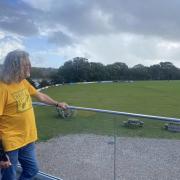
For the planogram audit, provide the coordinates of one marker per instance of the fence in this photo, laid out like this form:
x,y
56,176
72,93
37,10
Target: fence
x,y
114,141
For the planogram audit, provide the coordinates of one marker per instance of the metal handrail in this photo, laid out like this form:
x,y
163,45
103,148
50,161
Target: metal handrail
x,y
161,118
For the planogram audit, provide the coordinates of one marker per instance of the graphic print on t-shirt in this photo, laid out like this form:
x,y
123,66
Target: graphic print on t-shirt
x,y
23,100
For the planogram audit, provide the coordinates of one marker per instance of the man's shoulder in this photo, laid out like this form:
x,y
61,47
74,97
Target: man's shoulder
x,y
24,81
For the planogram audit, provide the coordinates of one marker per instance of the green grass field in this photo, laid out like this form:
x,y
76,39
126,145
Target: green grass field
x,y
161,98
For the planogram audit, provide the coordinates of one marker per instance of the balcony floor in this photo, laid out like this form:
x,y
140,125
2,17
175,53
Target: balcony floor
x,y
91,157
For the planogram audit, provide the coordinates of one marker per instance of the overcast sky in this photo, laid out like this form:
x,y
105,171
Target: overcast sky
x,y
54,31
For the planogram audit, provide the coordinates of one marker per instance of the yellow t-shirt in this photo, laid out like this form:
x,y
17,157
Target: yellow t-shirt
x,y
17,121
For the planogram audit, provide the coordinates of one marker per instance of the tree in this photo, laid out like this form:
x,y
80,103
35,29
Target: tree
x,y
117,71
155,72
81,69
139,72
167,70
97,72
76,70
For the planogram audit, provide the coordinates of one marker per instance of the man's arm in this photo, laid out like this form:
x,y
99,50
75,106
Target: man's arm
x,y
48,100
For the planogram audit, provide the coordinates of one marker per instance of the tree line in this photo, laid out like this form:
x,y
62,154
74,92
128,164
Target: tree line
x,y
81,70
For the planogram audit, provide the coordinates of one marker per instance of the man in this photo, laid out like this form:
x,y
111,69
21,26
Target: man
x,y
17,122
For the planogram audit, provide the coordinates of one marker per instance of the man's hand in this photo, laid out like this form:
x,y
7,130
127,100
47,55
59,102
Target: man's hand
x,y
5,163
4,158
62,105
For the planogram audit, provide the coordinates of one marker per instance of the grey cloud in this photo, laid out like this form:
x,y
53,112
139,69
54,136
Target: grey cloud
x,y
17,18
61,39
154,18
77,17
20,26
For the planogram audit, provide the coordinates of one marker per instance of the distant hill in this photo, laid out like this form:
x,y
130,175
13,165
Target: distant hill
x,y
41,73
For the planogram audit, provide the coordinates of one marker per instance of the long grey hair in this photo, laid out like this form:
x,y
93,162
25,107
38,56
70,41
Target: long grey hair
x,y
12,70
